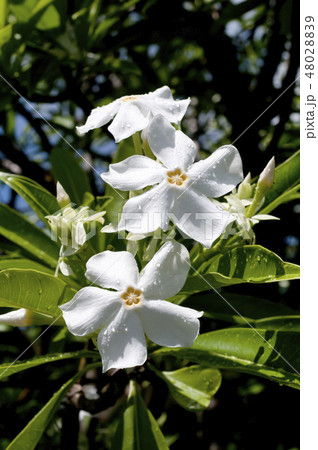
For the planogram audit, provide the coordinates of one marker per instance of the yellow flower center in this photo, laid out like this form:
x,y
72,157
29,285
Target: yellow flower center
x,y
129,98
176,177
132,296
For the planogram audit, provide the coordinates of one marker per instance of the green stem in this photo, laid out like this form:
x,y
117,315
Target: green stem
x,y
137,143
258,197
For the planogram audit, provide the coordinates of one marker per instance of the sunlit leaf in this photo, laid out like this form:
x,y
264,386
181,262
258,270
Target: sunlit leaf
x,y
40,200
269,353
20,288
192,387
246,264
20,231
8,369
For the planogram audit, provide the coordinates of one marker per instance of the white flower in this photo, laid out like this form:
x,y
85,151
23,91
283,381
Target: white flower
x,y
135,306
183,188
237,207
133,113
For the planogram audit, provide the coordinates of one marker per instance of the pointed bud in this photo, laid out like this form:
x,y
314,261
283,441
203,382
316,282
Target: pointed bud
x,y
265,182
244,190
25,318
61,196
266,178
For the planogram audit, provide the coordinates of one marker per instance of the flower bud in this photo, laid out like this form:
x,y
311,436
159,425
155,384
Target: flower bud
x,y
61,196
72,225
25,318
244,190
266,178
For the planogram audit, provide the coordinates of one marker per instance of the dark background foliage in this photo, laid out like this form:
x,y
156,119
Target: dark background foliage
x,y
235,59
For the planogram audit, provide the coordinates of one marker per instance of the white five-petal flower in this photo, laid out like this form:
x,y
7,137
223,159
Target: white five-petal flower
x,y
183,189
133,113
135,306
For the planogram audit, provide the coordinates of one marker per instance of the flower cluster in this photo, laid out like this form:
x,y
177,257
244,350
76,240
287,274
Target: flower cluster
x,y
166,186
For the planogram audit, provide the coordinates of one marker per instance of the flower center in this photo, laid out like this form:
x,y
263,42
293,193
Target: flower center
x,y
132,296
176,177
129,98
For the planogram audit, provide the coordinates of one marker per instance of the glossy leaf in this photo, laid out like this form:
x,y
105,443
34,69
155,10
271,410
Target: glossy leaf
x,y
33,290
137,429
39,199
254,351
194,386
9,369
247,264
236,308
67,170
279,323
287,196
20,231
21,263
31,434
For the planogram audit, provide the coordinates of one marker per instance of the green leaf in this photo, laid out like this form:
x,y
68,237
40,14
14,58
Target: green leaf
x,y
34,290
15,263
268,353
287,176
279,323
24,263
235,306
20,231
192,387
246,264
9,369
285,197
43,14
67,170
31,434
40,200
3,13
137,429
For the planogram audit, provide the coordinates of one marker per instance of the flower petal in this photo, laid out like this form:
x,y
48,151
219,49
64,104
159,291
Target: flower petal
x,y
265,217
198,217
219,173
164,93
99,117
78,234
168,324
172,147
65,269
162,102
115,270
122,343
166,273
134,173
149,211
128,120
90,309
